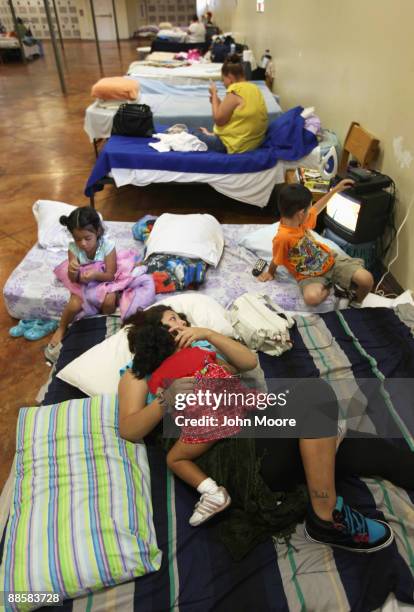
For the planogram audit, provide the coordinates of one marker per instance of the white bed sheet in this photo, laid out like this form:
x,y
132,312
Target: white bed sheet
x,y
183,75
252,188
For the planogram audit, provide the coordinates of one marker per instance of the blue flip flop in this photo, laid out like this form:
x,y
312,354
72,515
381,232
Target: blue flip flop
x,y
41,329
23,326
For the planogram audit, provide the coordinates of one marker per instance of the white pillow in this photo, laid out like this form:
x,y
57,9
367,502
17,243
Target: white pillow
x,y
260,241
96,371
51,234
202,311
198,236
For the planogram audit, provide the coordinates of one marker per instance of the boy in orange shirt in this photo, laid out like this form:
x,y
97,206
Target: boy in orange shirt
x,y
315,267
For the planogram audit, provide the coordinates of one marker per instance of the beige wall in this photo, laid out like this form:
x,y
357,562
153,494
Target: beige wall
x,y
353,61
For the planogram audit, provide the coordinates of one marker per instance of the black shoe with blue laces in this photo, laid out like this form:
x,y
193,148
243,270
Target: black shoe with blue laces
x,y
349,529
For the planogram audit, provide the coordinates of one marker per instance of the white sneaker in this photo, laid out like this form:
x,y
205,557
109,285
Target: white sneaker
x,y
209,505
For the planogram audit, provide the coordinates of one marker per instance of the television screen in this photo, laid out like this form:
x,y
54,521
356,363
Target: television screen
x,y
344,211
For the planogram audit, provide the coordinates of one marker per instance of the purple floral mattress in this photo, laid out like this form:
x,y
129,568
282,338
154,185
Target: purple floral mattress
x,y
33,291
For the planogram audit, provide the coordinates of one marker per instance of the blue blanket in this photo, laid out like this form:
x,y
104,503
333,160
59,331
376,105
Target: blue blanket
x,y
190,104
287,140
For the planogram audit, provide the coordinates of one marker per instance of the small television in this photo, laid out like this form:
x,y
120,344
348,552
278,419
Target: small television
x,y
358,217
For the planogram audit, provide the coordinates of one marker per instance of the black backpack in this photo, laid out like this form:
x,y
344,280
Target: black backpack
x,y
221,48
133,120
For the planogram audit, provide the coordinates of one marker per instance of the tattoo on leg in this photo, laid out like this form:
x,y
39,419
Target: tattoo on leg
x,y
320,494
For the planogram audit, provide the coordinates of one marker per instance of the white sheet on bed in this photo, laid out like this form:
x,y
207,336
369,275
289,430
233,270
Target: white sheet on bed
x,y
251,188
183,75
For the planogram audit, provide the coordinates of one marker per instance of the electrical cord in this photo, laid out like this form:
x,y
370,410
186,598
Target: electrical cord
x,y
394,259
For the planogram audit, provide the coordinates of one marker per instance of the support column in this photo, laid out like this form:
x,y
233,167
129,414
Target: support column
x,y
58,26
115,22
95,29
55,47
16,29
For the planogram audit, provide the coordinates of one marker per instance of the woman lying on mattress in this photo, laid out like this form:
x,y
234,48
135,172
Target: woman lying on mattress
x,y
240,119
262,473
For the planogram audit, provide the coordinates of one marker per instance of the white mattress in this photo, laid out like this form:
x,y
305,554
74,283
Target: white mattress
x,y
252,188
32,290
183,75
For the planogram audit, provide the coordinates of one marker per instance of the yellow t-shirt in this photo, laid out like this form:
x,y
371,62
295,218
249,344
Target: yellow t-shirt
x,y
248,124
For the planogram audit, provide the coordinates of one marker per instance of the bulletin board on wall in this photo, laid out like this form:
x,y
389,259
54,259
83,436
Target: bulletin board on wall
x,y
34,17
177,12
260,6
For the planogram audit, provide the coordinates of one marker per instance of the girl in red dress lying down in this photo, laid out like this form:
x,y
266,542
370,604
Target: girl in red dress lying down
x,y
205,418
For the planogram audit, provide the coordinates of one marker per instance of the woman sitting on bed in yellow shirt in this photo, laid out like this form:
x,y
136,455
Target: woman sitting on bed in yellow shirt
x,y
240,119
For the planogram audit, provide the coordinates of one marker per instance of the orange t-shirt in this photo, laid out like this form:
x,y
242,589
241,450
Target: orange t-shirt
x,y
297,250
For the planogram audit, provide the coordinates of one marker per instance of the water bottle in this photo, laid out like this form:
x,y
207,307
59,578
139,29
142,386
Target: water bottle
x,y
266,57
232,48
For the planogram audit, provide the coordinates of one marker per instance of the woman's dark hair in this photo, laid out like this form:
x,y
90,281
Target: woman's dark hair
x,y
84,217
233,65
151,345
194,18
152,316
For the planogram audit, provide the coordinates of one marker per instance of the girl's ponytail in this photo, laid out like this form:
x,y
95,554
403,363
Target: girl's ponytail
x,y
84,217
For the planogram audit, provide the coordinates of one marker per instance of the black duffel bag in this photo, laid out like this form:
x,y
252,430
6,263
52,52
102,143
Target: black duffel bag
x,y
133,120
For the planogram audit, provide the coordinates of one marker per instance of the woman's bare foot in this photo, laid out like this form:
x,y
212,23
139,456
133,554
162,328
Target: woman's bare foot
x,y
57,337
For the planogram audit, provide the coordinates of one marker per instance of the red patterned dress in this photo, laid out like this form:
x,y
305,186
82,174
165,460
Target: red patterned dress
x,y
210,377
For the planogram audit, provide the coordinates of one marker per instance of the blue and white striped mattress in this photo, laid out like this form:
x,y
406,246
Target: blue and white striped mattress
x,y
197,573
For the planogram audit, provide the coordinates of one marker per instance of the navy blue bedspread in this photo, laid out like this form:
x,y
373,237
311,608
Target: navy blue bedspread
x,y
197,573
287,139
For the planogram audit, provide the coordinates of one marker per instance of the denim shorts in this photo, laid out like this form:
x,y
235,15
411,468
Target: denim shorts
x,y
213,142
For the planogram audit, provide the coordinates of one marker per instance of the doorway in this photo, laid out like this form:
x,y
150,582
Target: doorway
x,y
104,19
